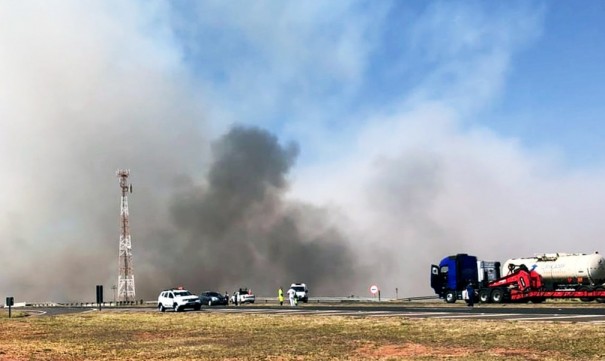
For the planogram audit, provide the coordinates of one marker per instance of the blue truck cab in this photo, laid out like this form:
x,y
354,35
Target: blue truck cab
x,y
454,273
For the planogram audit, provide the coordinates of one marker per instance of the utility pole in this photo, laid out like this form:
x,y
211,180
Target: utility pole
x,y
114,288
126,290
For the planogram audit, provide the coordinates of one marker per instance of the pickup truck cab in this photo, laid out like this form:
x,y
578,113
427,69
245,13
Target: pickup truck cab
x,y
243,295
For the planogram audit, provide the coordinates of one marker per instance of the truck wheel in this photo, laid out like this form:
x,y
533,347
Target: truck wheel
x,y
599,299
450,297
176,308
538,300
161,307
210,303
585,299
497,296
484,296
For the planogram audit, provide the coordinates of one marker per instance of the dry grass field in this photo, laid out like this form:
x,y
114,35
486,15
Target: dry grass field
x,y
113,335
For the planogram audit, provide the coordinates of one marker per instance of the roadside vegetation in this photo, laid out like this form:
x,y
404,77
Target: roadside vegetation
x,y
136,335
14,314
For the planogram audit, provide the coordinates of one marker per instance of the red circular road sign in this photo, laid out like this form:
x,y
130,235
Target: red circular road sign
x,y
374,289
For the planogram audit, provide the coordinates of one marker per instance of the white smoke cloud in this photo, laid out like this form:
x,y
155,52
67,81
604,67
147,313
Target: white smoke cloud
x,y
421,186
427,180
86,89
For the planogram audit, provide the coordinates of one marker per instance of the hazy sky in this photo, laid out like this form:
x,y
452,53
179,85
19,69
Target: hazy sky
x,y
390,133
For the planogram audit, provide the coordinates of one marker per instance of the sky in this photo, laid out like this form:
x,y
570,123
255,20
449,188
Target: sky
x,y
338,143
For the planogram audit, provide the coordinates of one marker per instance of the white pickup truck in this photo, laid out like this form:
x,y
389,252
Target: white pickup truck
x,y
243,295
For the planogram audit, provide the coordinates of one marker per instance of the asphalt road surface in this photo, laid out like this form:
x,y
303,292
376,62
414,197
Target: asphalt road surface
x,y
594,315
525,314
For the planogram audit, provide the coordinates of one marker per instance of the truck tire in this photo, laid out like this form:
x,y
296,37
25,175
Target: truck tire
x,y
161,307
485,296
538,300
176,308
599,299
497,295
586,299
450,297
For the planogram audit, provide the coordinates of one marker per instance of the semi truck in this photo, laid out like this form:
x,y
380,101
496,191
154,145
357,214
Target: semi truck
x,y
535,279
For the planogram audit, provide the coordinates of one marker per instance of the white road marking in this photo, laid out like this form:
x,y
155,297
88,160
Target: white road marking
x,y
477,315
553,317
439,315
425,313
36,313
598,322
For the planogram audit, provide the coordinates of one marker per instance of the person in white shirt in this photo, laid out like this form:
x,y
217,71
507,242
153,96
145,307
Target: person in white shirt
x,y
291,295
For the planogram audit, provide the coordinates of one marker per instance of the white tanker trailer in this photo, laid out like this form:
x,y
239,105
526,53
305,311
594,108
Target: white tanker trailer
x,y
564,270
533,279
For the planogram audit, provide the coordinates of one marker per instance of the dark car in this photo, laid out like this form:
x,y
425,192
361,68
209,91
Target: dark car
x,y
212,298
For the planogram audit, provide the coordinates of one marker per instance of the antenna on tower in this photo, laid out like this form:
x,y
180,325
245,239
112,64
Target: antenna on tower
x,y
126,276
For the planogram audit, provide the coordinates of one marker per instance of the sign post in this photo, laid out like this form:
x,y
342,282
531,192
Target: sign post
x,y
10,301
99,296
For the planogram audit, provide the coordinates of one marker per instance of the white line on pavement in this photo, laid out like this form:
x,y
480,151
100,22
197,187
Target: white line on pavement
x,y
552,317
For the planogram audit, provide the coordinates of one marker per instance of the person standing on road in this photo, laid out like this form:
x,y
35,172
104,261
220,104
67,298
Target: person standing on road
x,y
470,292
291,295
280,296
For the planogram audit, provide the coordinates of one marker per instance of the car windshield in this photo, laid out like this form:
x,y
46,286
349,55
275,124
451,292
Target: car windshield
x,y
298,289
182,293
213,294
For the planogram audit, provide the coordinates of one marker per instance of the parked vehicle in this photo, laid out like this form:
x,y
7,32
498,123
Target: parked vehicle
x,y
301,291
564,270
536,279
212,298
243,295
178,300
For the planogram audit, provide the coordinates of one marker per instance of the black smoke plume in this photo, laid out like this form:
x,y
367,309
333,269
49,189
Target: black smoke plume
x,y
236,228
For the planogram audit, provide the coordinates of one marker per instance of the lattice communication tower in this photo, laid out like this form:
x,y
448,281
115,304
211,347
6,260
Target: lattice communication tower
x,y
126,277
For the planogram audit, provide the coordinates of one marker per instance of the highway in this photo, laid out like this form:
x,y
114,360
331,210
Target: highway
x,y
595,315
524,314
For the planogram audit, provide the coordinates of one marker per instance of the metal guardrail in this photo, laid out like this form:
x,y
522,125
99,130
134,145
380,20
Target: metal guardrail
x,y
419,298
259,300
350,299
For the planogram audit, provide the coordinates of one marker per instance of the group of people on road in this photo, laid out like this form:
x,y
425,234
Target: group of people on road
x,y
291,297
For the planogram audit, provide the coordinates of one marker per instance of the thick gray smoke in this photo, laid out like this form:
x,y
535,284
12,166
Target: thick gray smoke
x,y
89,89
236,229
